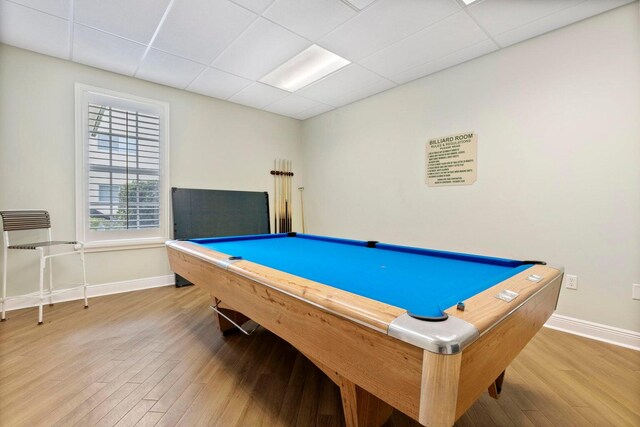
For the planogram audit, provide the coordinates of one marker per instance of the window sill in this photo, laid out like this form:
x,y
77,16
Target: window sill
x,y
123,245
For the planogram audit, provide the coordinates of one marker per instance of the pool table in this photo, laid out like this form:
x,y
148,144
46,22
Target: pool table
x,y
423,331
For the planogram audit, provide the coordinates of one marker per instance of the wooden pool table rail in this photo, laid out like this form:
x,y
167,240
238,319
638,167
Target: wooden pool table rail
x,y
434,389
374,314
484,310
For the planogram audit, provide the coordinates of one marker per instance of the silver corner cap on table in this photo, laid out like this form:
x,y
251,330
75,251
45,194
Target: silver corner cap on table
x,y
449,336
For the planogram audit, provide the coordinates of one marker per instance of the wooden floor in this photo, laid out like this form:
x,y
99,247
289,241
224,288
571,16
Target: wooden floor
x,y
154,358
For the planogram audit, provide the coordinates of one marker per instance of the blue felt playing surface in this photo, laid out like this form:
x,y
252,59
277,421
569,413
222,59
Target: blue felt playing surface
x,y
424,282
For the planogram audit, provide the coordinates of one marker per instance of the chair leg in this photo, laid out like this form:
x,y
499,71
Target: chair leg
x,y
84,277
42,265
50,278
4,284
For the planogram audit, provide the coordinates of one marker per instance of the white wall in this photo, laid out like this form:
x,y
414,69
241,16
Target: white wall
x,y
213,143
558,119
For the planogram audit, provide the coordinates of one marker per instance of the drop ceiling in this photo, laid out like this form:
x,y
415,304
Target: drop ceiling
x,y
221,48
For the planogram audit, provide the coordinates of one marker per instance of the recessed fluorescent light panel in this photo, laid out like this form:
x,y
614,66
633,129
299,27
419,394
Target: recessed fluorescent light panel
x,y
468,2
305,68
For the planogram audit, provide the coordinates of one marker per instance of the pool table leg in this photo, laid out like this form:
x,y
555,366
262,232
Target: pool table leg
x,y
496,387
226,327
361,408
439,389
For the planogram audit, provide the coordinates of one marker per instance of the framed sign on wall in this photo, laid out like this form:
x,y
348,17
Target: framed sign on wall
x,y
452,160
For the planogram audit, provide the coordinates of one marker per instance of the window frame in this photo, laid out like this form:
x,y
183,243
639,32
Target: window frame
x,y
122,239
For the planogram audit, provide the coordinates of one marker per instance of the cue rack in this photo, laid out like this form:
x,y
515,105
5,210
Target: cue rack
x,y
282,200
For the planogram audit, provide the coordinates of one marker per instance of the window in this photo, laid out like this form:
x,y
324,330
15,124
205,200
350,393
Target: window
x,y
114,143
122,185
109,193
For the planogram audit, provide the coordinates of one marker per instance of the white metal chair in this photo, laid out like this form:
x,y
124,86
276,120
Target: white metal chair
x,y
17,220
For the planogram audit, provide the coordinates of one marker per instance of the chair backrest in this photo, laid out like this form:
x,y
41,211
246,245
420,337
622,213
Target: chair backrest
x,y
25,220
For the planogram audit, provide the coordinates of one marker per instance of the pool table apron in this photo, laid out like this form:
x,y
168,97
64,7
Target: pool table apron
x,y
345,335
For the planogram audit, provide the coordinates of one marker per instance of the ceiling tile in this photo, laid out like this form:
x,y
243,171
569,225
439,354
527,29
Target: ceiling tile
x,y
167,69
346,80
258,95
259,50
291,105
218,84
309,18
313,111
429,44
360,4
389,41
355,95
134,20
557,20
37,31
61,8
384,23
201,29
447,61
106,51
258,6
498,16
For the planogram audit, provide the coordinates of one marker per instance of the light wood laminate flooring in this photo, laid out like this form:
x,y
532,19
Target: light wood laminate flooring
x,y
155,358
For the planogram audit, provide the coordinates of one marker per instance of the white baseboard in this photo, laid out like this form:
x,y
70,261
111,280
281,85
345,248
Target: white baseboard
x,y
31,300
595,331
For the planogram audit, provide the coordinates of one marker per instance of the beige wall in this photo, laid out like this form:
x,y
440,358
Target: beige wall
x,y
213,144
558,120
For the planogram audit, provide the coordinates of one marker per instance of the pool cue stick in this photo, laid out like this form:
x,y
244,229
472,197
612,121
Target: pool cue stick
x,y
283,168
301,189
290,195
286,220
273,201
282,196
279,196
284,193
290,201
288,198
275,195
286,202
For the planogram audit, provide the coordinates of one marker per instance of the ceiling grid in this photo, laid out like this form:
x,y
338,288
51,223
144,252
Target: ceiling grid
x,y
221,48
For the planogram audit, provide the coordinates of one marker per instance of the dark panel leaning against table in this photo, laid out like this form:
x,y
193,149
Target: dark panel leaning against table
x,y
205,212
422,331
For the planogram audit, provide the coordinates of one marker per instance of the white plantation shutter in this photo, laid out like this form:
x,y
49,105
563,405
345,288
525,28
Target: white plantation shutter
x,y
124,169
122,141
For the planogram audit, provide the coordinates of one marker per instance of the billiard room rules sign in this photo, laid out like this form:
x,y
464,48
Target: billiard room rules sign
x,y
452,160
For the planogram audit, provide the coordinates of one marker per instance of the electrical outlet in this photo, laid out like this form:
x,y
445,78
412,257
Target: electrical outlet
x,y
635,291
571,281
